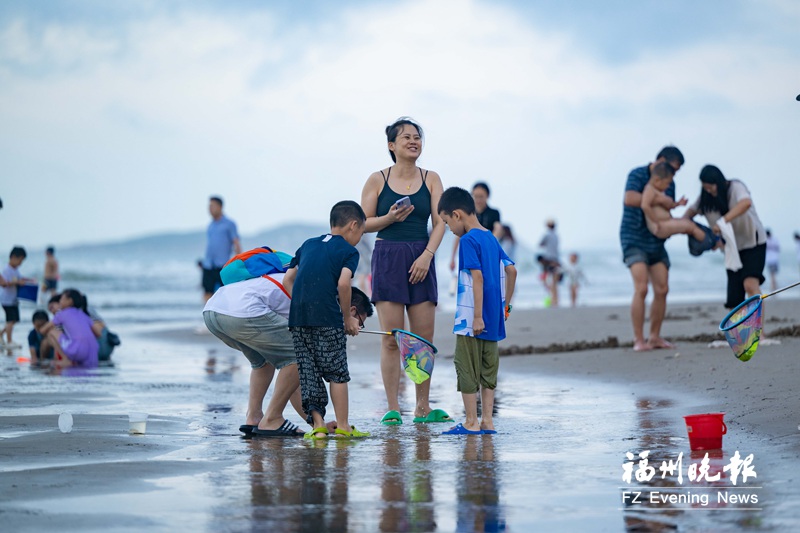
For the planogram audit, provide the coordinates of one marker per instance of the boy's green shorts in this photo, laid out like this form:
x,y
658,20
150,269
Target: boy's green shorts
x,y
476,361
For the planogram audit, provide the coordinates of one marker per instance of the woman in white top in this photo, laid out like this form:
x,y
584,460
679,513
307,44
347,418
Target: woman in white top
x,y
730,200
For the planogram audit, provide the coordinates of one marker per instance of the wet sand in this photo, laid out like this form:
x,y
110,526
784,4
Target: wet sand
x,y
566,417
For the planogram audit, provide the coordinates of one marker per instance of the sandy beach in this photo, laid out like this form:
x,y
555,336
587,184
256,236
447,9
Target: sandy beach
x,y
575,396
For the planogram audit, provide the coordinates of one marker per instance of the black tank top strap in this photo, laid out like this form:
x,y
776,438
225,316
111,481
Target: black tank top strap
x,y
413,228
386,176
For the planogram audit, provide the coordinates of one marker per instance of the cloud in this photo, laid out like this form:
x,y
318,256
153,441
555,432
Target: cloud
x,y
141,120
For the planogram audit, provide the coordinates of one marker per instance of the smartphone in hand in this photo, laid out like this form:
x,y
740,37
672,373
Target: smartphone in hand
x,y
405,201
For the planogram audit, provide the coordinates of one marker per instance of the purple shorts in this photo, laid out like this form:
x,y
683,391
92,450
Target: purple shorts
x,y
391,261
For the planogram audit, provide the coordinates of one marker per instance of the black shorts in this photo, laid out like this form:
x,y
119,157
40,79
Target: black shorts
x,y
753,260
50,284
211,280
12,313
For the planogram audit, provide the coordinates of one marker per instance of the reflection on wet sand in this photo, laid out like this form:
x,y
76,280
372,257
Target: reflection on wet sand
x,y
406,486
313,486
221,372
478,489
654,436
305,491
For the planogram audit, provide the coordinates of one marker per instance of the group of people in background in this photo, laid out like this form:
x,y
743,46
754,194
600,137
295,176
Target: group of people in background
x,y
733,225
75,337
554,272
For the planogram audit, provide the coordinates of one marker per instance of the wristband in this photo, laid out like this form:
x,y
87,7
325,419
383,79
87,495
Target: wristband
x,y
433,254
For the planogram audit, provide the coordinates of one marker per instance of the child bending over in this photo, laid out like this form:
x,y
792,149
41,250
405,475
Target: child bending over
x,y
486,278
322,312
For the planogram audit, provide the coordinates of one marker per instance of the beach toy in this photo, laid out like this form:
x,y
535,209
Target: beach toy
x,y
65,422
29,291
742,326
253,264
705,431
417,353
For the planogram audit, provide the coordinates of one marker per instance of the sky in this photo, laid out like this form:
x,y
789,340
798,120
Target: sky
x,y
119,119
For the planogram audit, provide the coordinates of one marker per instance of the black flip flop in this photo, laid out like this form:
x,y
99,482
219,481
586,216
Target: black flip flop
x,y
287,429
247,429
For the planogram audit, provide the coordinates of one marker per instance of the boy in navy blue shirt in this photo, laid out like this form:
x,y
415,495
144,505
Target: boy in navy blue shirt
x,y
486,278
321,313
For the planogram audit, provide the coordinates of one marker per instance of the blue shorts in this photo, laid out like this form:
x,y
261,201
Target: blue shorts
x,y
262,339
633,255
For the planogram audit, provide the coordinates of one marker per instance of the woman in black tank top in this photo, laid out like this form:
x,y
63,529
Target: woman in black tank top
x,y
403,265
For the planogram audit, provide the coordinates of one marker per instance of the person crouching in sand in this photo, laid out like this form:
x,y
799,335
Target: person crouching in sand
x,y
74,343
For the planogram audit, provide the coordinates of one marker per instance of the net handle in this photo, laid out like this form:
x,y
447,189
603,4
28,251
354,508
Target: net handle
x,y
723,327
780,290
404,332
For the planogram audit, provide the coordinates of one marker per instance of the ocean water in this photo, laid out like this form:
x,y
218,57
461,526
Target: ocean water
x,y
161,284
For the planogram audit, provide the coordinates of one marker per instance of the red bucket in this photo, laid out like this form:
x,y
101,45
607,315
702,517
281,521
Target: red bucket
x,y
705,431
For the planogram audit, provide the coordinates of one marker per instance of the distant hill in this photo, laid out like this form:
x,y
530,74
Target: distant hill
x,y
287,237
190,246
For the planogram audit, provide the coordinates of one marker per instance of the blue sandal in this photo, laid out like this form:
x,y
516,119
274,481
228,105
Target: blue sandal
x,y
461,430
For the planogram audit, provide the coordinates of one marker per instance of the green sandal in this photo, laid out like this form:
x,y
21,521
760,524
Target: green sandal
x,y
437,415
313,433
392,418
351,434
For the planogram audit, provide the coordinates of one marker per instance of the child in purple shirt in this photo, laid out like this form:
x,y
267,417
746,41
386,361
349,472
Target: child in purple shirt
x,y
75,344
